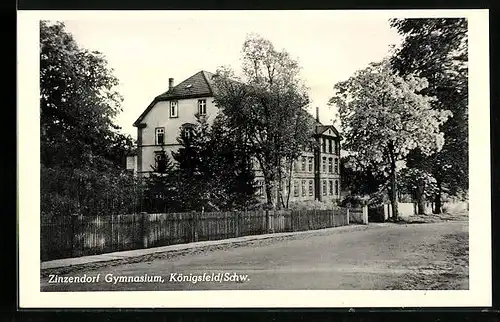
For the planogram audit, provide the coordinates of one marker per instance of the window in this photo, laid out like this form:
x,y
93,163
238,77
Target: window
x,y
334,147
160,135
296,166
329,146
310,164
311,188
330,165
336,187
173,109
324,164
304,192
324,187
324,145
296,188
260,188
202,107
284,187
331,187
336,165
188,129
160,162
303,164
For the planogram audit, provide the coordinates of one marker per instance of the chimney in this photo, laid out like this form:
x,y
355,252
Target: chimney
x,y
170,84
317,114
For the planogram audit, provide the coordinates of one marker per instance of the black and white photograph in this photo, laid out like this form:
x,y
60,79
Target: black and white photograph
x,y
188,152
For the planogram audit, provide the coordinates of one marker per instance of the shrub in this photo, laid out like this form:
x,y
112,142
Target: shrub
x,y
88,192
311,204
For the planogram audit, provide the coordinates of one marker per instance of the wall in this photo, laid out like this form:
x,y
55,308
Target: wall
x,y
159,116
406,209
327,175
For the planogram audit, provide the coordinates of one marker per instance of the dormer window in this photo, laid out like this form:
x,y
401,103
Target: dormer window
x,y
160,135
173,109
202,107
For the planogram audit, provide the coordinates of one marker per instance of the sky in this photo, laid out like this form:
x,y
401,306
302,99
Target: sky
x,y
145,53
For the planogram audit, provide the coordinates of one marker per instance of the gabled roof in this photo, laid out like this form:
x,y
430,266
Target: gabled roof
x,y
201,84
198,85
320,129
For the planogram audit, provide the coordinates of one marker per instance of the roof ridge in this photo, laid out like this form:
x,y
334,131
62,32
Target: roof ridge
x,y
210,87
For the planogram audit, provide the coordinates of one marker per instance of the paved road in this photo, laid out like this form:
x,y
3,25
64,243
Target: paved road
x,y
383,256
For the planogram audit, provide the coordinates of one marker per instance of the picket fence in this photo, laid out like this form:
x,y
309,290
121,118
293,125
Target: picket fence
x,y
75,236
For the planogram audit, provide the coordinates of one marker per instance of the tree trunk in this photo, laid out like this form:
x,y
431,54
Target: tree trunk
x,y
269,195
437,199
394,195
289,184
419,195
279,191
394,189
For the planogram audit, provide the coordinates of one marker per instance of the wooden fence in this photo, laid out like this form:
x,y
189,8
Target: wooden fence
x,y
80,236
358,215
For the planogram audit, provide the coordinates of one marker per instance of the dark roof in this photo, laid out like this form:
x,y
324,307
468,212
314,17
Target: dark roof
x,y
320,129
201,84
198,85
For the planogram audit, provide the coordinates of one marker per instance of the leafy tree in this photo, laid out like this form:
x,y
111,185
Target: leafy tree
x,y
420,184
360,179
437,50
383,118
82,151
78,103
232,164
265,105
214,171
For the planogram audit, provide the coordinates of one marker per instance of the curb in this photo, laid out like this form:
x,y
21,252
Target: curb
x,y
152,253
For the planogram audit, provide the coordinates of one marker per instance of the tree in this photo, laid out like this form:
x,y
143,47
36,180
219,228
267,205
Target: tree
x,y
214,171
161,191
231,163
360,179
420,184
193,167
383,118
82,151
78,103
437,50
264,105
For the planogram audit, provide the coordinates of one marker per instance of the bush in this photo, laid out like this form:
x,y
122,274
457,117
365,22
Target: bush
x,y
88,192
353,201
311,204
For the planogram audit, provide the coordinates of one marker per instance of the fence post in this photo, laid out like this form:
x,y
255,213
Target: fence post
x,y
143,230
365,215
73,223
347,216
195,224
268,221
291,220
237,221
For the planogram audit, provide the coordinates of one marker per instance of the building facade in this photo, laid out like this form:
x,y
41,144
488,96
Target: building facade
x,y
315,175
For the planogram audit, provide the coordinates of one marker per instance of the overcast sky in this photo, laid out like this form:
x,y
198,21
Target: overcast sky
x,y
330,47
